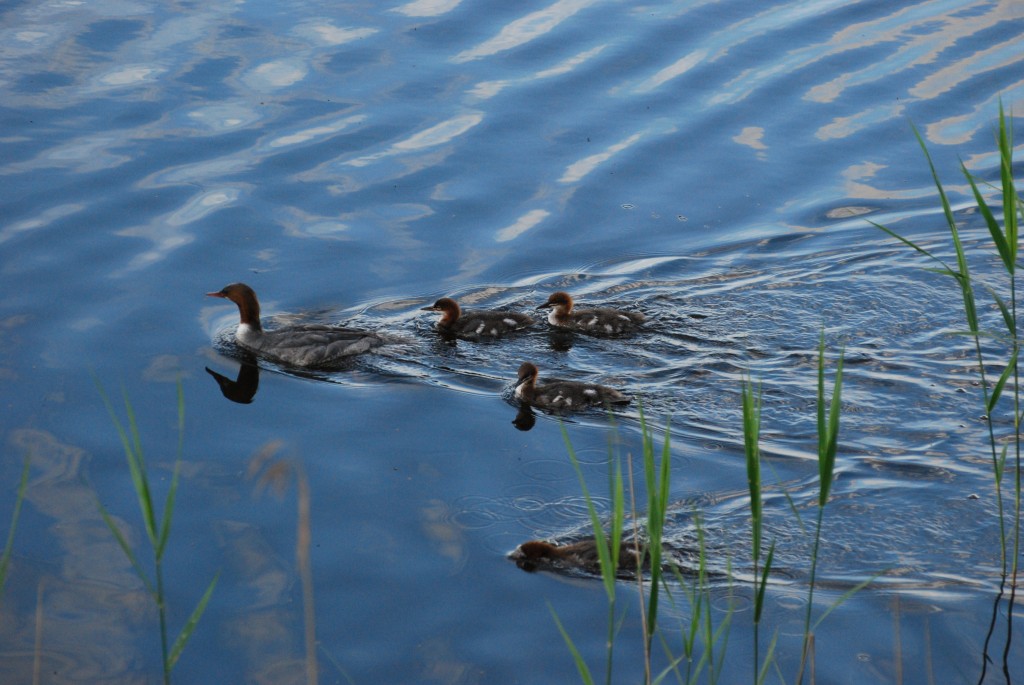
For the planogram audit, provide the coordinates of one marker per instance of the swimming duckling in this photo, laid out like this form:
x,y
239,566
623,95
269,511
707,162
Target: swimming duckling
x,y
599,321
305,345
476,325
580,557
563,395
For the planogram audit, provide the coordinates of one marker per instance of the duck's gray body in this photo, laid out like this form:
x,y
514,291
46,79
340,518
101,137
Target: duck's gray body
x,y
308,345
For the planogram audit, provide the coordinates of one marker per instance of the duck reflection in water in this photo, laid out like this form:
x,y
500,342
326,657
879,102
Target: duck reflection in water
x,y
243,388
525,418
561,339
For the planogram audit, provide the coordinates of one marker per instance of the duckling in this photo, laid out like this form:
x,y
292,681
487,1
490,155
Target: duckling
x,y
476,325
563,395
599,321
305,345
581,557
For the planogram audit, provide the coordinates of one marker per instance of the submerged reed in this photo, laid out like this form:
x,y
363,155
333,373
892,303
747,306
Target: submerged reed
x,y
5,559
1005,240
275,473
158,529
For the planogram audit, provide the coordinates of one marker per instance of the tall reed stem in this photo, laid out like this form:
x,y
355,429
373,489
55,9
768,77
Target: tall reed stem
x,y
1005,239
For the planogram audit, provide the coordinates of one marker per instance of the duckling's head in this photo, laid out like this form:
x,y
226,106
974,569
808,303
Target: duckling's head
x,y
449,309
527,375
574,558
534,555
524,386
561,302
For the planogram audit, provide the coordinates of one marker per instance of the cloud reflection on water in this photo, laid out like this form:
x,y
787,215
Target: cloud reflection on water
x,y
525,29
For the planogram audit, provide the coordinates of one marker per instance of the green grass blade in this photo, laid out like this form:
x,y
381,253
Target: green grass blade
x,y
581,665
126,548
181,419
190,625
133,428
1005,376
666,469
608,565
845,596
121,432
617,496
762,582
1000,466
751,439
1006,252
133,454
1004,310
5,560
140,480
769,659
720,636
1010,198
165,525
828,425
962,274
657,478
673,666
618,516
789,500
910,243
943,271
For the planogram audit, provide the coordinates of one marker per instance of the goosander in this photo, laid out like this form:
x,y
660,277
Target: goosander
x,y
600,321
563,395
476,325
306,345
540,555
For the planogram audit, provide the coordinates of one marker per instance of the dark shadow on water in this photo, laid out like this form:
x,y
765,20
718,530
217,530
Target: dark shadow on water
x,y
561,340
243,388
525,419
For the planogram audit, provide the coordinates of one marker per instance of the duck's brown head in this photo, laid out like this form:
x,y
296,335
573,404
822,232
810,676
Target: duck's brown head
x,y
245,297
561,302
449,309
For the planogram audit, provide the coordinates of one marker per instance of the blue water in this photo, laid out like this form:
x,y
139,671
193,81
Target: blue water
x,y
713,164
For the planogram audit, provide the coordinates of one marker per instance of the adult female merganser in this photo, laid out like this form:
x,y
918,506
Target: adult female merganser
x,y
600,321
563,395
476,325
307,345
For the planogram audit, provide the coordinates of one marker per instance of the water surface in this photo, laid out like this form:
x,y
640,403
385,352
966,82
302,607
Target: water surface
x,y
713,164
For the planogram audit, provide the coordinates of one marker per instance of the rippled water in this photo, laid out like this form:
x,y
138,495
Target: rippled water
x,y
712,164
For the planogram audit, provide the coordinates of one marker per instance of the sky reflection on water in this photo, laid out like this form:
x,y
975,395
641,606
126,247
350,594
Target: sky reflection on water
x,y
713,164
